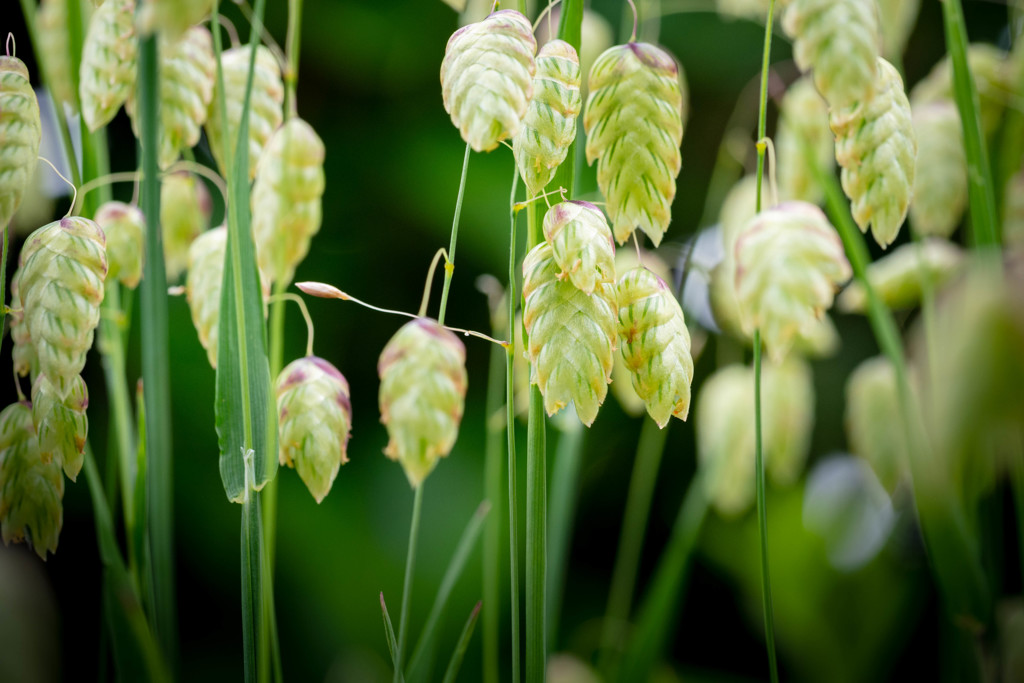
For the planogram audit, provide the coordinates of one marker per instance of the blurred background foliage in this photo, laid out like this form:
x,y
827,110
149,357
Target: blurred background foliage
x,y
369,86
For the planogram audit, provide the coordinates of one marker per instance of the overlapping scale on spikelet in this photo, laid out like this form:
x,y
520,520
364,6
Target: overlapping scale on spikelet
x,y
655,344
187,69
203,285
581,244
172,17
487,78
839,40
265,113
55,58
803,130
549,126
185,209
423,380
873,419
60,423
20,133
897,277
125,228
62,268
634,122
315,417
896,18
789,261
876,147
940,176
286,208
31,491
107,72
571,336
23,355
988,66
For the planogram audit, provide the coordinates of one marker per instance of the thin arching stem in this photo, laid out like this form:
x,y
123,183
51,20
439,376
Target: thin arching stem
x,y
449,264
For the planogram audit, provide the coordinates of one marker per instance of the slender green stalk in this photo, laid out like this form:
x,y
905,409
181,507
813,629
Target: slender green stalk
x,y
449,264
510,429
410,564
291,48
455,663
389,630
252,573
491,560
536,539
564,485
631,538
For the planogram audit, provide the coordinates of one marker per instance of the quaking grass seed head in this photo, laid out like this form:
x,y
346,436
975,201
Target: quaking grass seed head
x,y
873,426
487,78
803,130
581,244
940,176
55,60
315,417
23,355
423,381
107,71
185,209
203,286
20,133
125,229
60,423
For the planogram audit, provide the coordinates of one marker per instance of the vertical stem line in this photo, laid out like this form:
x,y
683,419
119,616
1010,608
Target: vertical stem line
x,y
510,428
491,560
252,573
449,264
536,539
291,48
410,564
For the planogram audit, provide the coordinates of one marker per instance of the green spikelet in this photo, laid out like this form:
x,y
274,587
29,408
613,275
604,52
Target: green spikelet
x,y
63,266
896,18
897,277
789,260
988,65
487,78
876,147
172,17
423,380
203,285
839,40
286,209
24,354
185,208
20,133
571,336
55,55
315,414
549,127
581,244
61,424
873,426
634,122
940,176
107,72
803,129
265,113
125,228
31,490
655,344
187,69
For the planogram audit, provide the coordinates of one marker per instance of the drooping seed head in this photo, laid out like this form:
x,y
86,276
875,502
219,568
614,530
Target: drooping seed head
x,y
655,344
31,490
55,57
803,130
549,126
487,78
125,228
20,134
203,286
172,17
107,71
61,424
581,244
185,209
940,176
876,147
634,122
570,336
286,199
315,417
423,381
988,65
874,428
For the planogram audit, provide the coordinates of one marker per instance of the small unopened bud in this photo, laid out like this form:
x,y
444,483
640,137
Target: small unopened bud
x,y
125,228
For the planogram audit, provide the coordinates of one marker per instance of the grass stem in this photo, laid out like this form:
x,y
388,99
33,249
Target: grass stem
x,y
449,264
536,539
410,564
510,429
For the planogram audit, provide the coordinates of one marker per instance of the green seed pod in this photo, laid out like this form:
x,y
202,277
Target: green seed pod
x,y
61,424
63,266
840,41
286,208
20,134
988,65
1013,211
487,78
55,57
187,70
422,372
634,123
549,126
24,354
725,439
185,209
787,401
940,178
581,244
789,260
896,18
107,71
265,113
803,130
172,17
571,336
31,490
655,344
897,277
315,415
125,228
874,427
203,285
876,146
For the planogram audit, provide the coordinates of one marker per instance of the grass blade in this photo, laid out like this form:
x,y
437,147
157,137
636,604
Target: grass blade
x,y
460,649
492,529
252,572
510,431
389,630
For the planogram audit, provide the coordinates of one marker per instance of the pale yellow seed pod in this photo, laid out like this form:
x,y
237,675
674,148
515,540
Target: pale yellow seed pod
x,y
940,178
571,336
185,209
107,71
1013,211
203,286
61,423
55,55
286,199
789,261
581,244
787,402
988,65
487,78
125,229
655,344
876,147
634,122
20,135
874,427
896,19
897,277
549,126
172,17
265,113
803,132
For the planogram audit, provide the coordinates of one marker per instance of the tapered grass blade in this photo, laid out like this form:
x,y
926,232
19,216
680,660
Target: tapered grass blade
x,y
460,649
